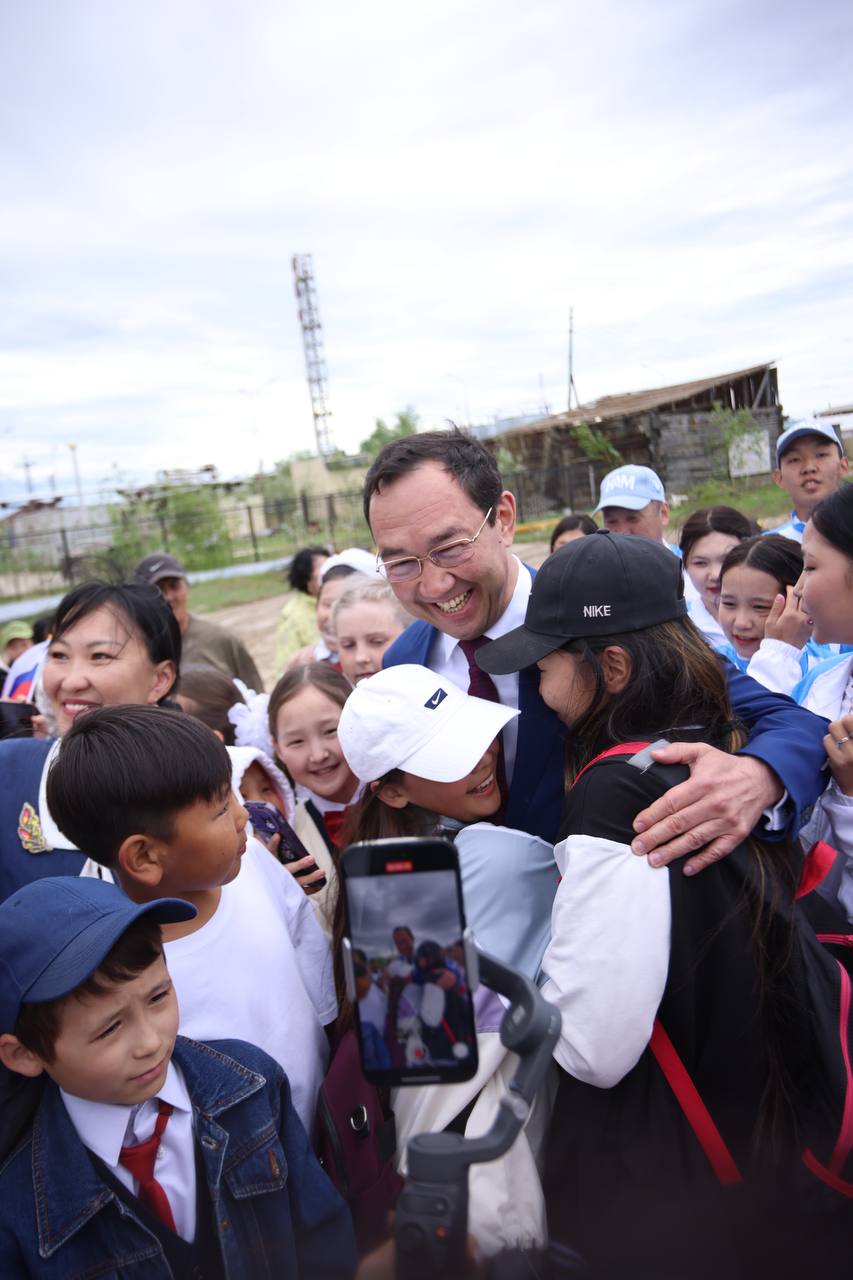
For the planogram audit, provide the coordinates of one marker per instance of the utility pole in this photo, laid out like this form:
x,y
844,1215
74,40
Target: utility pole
x,y
27,464
312,341
572,388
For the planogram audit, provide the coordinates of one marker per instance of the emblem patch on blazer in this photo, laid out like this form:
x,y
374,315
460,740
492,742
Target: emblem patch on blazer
x,y
29,831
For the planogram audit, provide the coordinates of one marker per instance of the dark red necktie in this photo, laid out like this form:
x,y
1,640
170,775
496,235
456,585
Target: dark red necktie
x,y
139,1161
481,685
333,821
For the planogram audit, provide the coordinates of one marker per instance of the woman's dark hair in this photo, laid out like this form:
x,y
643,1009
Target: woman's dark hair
x,y
468,461
302,567
713,520
211,694
144,608
781,558
139,947
130,770
568,524
833,519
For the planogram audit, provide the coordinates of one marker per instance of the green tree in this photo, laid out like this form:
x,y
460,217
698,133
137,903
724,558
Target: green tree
x,y
595,445
405,424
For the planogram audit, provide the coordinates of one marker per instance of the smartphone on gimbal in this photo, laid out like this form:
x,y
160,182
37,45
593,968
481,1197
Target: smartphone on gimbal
x,y
408,961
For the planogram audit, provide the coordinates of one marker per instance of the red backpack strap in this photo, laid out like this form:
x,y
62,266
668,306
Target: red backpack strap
x,y
816,867
695,1112
621,749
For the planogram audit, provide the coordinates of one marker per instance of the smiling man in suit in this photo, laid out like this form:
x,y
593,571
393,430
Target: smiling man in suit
x,y
443,526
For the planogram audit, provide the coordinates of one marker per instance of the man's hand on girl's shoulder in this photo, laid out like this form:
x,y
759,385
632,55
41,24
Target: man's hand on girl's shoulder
x,y
713,810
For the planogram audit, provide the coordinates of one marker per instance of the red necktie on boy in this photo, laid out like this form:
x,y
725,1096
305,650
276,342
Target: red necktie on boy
x,y
481,685
139,1161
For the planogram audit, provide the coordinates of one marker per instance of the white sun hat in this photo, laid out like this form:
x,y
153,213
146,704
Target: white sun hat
x,y
409,718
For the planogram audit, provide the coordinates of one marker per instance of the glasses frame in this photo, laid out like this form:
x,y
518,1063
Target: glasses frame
x,y
383,566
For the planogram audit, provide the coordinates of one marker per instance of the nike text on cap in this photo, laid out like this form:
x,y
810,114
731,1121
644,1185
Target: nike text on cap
x,y
159,565
632,487
409,718
805,427
602,585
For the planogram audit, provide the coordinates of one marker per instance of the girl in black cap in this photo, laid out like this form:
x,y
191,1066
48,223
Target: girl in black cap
x,y
691,1043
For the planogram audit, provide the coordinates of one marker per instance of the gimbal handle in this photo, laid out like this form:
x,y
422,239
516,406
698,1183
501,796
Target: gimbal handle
x,y
431,1221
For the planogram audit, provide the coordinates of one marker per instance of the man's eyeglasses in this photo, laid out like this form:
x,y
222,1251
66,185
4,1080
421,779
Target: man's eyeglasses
x,y
447,556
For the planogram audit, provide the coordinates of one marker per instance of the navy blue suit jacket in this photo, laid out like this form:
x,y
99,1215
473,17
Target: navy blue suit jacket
x,y
785,736
21,858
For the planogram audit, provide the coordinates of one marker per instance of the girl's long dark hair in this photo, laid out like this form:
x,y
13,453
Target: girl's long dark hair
x,y
677,683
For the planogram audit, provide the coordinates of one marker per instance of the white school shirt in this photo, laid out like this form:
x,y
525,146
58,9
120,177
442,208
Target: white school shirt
x,y
261,970
792,529
447,659
105,1128
705,621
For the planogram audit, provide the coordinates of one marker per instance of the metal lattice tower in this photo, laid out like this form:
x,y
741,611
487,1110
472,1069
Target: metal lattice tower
x,y
312,340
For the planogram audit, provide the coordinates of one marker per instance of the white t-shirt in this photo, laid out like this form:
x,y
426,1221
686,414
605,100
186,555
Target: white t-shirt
x,y
261,970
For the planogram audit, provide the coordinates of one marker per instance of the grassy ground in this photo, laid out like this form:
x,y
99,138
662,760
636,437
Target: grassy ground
x,y
223,593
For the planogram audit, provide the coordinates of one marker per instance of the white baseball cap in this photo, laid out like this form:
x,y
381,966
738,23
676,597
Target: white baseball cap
x,y
631,486
409,718
354,558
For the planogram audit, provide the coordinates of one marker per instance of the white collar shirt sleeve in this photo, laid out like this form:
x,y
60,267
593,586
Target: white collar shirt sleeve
x,y
447,659
105,1128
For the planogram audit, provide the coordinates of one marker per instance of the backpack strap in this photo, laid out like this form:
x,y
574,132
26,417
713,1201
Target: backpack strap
x,y
696,1113
816,867
621,749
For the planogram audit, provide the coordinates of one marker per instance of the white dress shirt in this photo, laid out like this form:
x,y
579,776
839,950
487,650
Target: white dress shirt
x,y
447,659
105,1128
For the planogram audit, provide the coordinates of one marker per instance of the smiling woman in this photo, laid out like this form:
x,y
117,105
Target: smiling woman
x,y
111,644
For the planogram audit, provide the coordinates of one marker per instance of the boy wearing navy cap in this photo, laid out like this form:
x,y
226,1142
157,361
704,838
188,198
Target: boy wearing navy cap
x,y
810,465
148,1154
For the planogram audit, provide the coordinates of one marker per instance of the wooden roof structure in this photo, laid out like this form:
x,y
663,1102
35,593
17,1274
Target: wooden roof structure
x,y
756,382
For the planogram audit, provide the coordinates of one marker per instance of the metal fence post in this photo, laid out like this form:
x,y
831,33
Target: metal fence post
x,y
255,552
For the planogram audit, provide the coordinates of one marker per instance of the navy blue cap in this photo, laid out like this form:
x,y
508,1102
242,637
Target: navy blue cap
x,y
602,585
55,932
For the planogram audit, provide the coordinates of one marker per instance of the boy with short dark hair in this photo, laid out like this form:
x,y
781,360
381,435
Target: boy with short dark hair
x,y
148,1154
810,465
147,792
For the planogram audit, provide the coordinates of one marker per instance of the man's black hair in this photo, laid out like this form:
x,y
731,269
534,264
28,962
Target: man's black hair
x,y
129,770
302,567
462,456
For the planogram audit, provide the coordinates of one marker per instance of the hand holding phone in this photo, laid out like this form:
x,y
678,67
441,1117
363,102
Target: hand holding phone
x,y
267,823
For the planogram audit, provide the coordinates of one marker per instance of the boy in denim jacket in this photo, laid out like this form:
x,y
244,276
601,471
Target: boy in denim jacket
x,y
148,1155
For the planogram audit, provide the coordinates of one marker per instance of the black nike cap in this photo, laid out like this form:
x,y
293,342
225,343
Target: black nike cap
x,y
601,585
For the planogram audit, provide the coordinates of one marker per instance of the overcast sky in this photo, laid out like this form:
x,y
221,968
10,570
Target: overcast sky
x,y
462,173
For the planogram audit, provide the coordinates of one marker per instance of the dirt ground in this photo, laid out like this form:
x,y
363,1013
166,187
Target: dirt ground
x,y
255,624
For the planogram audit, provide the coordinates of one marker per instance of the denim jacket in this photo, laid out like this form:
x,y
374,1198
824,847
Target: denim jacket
x,y
277,1215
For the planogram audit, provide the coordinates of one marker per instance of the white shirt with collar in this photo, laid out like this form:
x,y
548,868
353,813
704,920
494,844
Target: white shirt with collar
x,y
447,659
105,1128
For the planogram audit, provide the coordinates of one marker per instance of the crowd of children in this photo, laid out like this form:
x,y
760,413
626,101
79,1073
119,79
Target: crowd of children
x,y
176,1026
